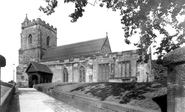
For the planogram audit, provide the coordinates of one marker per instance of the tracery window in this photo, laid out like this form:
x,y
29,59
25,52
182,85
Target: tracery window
x,y
82,74
104,71
124,69
65,75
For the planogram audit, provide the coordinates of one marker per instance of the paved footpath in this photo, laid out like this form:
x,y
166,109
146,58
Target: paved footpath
x,y
31,100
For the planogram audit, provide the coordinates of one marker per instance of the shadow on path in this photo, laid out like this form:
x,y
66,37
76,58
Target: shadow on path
x,y
14,104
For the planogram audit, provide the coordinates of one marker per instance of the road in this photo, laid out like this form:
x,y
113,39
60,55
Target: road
x,y
31,100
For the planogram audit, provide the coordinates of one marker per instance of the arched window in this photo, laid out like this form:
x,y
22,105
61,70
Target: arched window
x,y
47,41
82,74
65,75
30,38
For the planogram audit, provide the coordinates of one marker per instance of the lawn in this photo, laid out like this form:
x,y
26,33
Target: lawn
x,y
136,94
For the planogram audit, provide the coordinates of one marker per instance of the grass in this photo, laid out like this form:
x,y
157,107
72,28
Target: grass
x,y
136,94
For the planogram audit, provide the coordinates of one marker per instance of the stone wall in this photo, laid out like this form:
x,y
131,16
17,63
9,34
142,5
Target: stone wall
x,y
29,51
73,70
33,51
6,98
30,55
136,71
57,73
44,34
175,63
139,71
28,23
33,30
88,104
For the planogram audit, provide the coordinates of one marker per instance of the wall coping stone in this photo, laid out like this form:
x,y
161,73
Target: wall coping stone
x,y
5,100
173,57
96,103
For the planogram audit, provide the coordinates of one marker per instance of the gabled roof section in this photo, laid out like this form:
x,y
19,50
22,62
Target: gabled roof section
x,y
76,49
36,67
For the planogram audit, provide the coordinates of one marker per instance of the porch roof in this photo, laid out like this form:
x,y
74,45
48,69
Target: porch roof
x,y
36,67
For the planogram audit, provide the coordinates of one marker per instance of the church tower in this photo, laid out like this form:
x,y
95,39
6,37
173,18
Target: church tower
x,y
36,37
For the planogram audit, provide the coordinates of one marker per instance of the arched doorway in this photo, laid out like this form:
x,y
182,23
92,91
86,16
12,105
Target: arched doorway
x,y
65,75
82,74
33,80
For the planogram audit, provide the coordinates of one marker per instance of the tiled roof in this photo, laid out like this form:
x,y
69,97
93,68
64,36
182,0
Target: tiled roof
x,y
38,68
76,49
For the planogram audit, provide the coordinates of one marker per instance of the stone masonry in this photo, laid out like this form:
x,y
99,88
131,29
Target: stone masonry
x,y
90,61
38,30
175,61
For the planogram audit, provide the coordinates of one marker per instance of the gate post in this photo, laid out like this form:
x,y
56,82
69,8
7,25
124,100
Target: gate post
x,y
175,63
2,64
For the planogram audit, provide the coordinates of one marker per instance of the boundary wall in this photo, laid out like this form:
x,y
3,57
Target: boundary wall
x,y
87,104
6,98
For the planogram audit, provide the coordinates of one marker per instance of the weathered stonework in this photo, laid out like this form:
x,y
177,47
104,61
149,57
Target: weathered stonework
x,y
28,23
92,69
90,61
33,50
175,62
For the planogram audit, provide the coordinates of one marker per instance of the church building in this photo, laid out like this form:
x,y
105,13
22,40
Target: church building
x,y
42,61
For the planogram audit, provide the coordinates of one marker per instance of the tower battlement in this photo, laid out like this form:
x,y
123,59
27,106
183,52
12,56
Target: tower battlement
x,y
28,23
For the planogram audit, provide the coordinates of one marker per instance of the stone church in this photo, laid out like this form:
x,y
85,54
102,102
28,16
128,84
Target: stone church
x,y
42,61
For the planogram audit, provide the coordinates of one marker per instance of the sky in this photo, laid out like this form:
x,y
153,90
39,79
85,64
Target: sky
x,y
94,24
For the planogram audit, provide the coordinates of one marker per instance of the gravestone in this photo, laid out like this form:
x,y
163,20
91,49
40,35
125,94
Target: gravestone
x,y
175,62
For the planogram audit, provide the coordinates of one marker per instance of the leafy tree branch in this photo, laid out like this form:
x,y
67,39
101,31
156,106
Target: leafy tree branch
x,y
144,17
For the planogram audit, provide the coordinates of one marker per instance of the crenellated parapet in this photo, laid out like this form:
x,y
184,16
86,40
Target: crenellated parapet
x,y
28,23
122,53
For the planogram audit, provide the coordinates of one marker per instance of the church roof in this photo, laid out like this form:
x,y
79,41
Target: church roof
x,y
76,49
36,67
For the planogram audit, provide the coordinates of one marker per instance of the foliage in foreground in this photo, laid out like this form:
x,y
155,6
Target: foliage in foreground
x,y
145,17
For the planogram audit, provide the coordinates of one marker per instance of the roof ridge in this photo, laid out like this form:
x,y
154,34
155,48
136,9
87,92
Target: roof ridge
x,y
33,63
78,48
80,42
104,42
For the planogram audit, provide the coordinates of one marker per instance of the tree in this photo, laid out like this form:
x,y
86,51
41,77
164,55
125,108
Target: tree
x,y
146,17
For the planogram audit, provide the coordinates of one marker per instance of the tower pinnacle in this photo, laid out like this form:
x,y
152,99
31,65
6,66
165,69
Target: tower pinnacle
x,y
26,19
106,34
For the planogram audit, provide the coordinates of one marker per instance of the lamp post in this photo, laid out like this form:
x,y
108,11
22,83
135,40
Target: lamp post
x,y
13,72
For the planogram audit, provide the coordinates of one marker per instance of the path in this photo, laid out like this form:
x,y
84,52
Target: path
x,y
31,100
